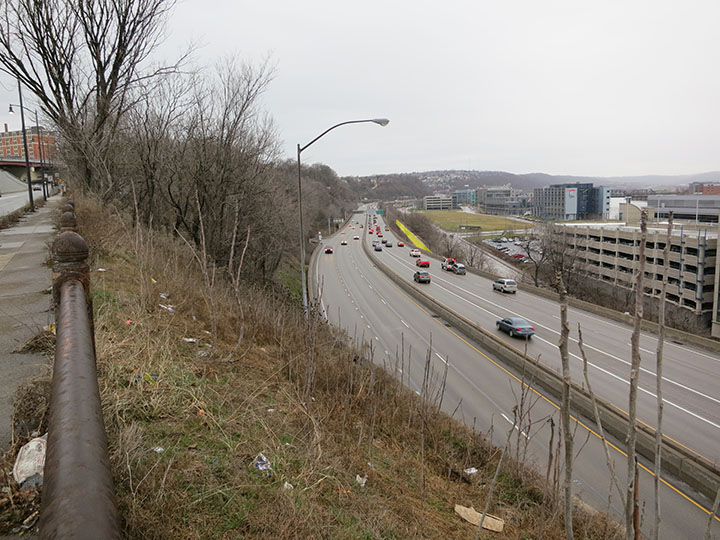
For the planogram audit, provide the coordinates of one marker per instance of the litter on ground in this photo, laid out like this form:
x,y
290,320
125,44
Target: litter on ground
x,y
261,463
362,480
471,470
30,463
491,523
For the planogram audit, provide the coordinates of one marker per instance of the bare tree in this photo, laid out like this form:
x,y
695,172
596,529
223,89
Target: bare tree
x,y
658,376
565,405
631,492
83,60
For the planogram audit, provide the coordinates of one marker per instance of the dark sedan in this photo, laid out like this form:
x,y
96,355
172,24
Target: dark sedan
x,y
422,277
516,326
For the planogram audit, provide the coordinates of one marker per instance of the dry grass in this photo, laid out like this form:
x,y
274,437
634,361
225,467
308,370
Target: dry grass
x,y
186,419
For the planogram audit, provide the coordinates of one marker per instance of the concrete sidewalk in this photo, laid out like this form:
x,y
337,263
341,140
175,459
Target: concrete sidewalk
x,y
25,278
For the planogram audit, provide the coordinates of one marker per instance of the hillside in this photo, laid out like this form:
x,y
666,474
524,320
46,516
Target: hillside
x,y
232,416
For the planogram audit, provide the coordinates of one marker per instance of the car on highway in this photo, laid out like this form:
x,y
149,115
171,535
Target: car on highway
x,y
447,264
387,228
505,285
380,235
516,326
378,247
401,244
384,240
388,243
422,276
415,253
459,269
370,231
356,237
422,263
343,243
328,250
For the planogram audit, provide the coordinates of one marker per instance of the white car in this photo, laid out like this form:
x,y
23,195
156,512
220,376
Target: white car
x,y
356,237
415,253
505,285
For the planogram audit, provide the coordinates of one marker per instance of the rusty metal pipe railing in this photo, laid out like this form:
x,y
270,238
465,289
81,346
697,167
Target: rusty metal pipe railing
x,y
78,497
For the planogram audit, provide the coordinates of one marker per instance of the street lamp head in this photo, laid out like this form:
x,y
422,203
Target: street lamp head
x,y
381,121
10,110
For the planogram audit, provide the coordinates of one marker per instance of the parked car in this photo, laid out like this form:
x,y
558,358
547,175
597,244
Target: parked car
x,y
401,244
422,263
459,268
505,285
378,247
328,250
518,256
516,326
422,277
447,264
415,253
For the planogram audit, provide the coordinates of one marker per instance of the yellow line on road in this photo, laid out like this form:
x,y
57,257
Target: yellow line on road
x,y
414,239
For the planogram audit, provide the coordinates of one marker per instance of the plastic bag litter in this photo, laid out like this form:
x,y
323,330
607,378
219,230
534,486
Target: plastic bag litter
x,y
471,470
168,307
101,270
362,480
288,485
30,463
261,463
164,295
190,340
158,449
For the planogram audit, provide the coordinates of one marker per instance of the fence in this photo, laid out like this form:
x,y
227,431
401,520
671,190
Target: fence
x,y
78,496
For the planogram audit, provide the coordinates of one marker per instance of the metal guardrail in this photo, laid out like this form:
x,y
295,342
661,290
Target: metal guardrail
x,y
78,497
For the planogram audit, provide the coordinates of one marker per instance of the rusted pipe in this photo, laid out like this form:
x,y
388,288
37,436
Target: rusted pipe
x,y
78,497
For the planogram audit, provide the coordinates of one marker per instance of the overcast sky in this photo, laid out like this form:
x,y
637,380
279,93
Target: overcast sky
x,y
562,87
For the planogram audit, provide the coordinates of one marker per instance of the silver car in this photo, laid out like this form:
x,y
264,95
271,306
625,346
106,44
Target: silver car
x,y
505,285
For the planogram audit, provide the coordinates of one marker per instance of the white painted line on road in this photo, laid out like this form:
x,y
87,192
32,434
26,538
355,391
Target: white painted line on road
x,y
406,324
441,358
383,301
516,427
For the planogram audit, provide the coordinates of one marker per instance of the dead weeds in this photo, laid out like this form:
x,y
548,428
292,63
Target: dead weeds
x,y
193,390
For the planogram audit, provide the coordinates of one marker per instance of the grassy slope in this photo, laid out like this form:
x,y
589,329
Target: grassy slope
x,y
185,420
450,220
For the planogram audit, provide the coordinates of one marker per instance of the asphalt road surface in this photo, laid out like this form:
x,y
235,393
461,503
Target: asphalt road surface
x,y
481,392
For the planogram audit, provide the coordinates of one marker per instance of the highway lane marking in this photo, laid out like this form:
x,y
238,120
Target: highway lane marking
x,y
547,400
406,324
645,370
441,358
514,426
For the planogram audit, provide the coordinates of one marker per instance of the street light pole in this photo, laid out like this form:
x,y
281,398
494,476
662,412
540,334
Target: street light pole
x,y
42,163
381,122
27,157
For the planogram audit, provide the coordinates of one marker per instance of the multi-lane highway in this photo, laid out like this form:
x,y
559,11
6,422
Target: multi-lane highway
x,y
483,392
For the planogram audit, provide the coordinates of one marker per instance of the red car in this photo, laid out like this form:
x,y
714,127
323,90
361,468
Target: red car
x,y
370,231
401,244
422,263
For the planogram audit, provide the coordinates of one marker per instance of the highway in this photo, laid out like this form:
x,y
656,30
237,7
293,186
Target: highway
x,y
482,393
